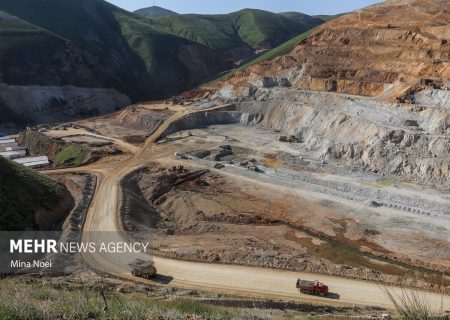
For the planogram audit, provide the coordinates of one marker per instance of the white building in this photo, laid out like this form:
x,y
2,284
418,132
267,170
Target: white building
x,y
33,162
13,154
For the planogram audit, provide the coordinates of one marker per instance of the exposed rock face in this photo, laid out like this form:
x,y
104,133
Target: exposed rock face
x,y
384,50
360,133
396,52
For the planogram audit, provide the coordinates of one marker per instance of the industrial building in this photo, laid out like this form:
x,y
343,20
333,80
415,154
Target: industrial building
x,y
11,150
33,162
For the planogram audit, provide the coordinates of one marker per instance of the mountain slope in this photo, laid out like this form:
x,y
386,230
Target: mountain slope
x,y
387,49
251,28
308,22
26,195
112,48
66,59
26,49
154,11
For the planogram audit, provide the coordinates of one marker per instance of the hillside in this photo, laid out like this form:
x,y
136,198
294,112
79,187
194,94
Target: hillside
x,y
92,46
245,30
389,49
307,21
30,200
26,49
65,60
154,11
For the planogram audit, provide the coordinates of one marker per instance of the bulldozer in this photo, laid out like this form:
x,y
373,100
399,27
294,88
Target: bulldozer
x,y
142,268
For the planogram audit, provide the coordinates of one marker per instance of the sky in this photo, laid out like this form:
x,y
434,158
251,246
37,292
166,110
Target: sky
x,y
311,7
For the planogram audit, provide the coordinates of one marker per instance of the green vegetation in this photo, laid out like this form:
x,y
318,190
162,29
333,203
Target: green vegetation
x,y
248,27
283,49
327,18
24,49
57,150
101,45
96,44
410,305
35,300
23,192
153,12
72,155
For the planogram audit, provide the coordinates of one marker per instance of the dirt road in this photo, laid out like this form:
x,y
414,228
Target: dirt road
x,y
247,281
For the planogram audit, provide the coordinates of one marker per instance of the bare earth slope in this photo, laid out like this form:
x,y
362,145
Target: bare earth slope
x,y
365,52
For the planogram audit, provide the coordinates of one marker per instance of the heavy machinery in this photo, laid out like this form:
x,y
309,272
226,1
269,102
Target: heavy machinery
x,y
312,287
142,269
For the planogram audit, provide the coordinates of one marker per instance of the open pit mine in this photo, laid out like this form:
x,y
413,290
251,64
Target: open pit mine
x,y
329,163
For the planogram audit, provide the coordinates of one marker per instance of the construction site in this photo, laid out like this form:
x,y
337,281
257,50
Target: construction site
x,y
307,178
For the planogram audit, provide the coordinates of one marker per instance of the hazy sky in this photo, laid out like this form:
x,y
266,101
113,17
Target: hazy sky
x,y
226,6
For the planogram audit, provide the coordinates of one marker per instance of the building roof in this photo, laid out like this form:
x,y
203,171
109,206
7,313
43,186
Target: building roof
x,y
7,141
9,154
31,159
36,164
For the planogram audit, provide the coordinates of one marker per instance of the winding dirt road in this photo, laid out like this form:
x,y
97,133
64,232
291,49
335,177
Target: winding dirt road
x,y
103,216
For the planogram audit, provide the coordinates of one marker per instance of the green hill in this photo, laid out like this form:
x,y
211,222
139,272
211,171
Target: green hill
x,y
31,53
251,28
93,44
25,194
327,18
308,22
119,49
155,11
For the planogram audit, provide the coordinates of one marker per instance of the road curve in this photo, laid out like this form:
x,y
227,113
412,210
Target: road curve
x,y
103,216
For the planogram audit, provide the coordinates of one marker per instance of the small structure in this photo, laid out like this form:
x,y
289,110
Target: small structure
x,y
33,162
7,141
13,154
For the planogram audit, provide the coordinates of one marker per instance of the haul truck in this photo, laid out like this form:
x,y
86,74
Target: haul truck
x,y
312,287
142,269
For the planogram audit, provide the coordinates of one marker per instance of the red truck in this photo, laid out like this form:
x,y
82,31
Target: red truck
x,y
312,287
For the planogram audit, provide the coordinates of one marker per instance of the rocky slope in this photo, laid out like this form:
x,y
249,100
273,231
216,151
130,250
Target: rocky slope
x,y
386,49
397,55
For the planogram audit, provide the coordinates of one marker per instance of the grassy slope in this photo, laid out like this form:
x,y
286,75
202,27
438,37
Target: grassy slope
x,y
49,298
42,301
26,49
63,154
22,192
153,12
228,31
327,18
126,51
72,155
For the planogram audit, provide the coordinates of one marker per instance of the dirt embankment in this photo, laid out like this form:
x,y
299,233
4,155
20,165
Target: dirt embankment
x,y
201,216
133,124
